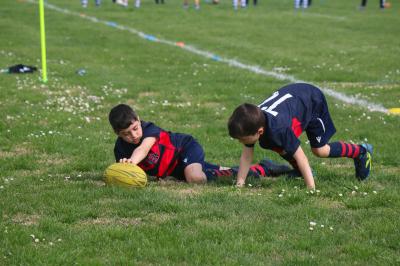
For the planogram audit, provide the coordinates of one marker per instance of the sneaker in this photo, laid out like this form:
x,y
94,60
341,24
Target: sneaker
x,y
272,168
214,174
363,163
294,173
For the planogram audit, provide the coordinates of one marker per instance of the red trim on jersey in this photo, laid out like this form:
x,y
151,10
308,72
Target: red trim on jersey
x,y
166,154
296,127
167,163
152,158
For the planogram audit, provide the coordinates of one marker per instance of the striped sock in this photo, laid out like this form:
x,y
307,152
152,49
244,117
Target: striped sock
x,y
342,149
257,170
214,174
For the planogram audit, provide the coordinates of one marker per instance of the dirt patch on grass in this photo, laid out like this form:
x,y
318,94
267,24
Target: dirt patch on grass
x,y
112,221
159,218
20,150
111,201
53,159
213,105
148,94
188,192
28,173
182,193
26,219
98,183
330,204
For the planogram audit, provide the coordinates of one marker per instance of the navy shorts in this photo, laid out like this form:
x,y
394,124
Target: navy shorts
x,y
192,152
321,128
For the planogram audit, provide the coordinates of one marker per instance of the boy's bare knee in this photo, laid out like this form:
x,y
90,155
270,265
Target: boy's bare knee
x,y
322,152
194,174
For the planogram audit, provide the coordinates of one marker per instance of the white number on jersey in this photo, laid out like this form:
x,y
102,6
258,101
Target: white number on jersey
x,y
270,109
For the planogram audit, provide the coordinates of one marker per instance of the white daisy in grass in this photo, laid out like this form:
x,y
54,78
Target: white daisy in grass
x,y
313,223
340,195
374,192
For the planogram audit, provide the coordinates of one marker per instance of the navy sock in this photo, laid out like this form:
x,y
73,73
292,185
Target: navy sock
x,y
208,165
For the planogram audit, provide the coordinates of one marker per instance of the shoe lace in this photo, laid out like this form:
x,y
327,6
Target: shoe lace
x,y
368,163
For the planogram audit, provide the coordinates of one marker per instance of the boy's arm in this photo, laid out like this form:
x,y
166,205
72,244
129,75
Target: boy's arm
x,y
140,152
245,161
304,167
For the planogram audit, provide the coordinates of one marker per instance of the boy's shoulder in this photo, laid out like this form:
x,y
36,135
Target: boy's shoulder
x,y
150,129
148,125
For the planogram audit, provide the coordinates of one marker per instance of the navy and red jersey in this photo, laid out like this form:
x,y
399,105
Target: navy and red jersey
x,y
163,156
290,111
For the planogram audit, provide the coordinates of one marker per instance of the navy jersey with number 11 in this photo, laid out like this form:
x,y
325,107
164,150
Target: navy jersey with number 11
x,y
290,111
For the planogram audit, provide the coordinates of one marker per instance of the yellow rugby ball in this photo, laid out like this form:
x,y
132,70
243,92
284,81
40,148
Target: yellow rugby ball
x,y
125,175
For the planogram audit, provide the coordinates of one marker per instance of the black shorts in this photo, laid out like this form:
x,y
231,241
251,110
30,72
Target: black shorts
x,y
192,152
321,128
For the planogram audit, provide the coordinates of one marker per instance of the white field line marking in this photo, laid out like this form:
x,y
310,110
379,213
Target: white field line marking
x,y
326,16
231,62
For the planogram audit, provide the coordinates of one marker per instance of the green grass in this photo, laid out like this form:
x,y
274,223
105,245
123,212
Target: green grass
x,y
55,140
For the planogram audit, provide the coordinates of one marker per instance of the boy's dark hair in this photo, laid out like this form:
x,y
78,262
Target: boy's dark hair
x,y
245,121
121,117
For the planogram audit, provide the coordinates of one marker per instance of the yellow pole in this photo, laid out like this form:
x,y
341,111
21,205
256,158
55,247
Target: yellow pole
x,y
43,41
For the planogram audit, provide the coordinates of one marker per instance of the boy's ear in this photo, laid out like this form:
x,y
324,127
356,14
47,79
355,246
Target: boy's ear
x,y
260,131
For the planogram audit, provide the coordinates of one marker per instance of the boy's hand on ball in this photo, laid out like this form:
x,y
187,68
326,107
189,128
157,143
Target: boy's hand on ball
x,y
126,160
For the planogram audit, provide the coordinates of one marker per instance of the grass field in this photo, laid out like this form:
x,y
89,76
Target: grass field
x,y
55,139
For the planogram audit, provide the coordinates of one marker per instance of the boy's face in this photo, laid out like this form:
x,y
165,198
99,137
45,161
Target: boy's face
x,y
133,134
252,139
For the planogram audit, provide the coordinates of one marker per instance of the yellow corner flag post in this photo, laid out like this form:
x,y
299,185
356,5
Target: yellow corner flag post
x,y
43,41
